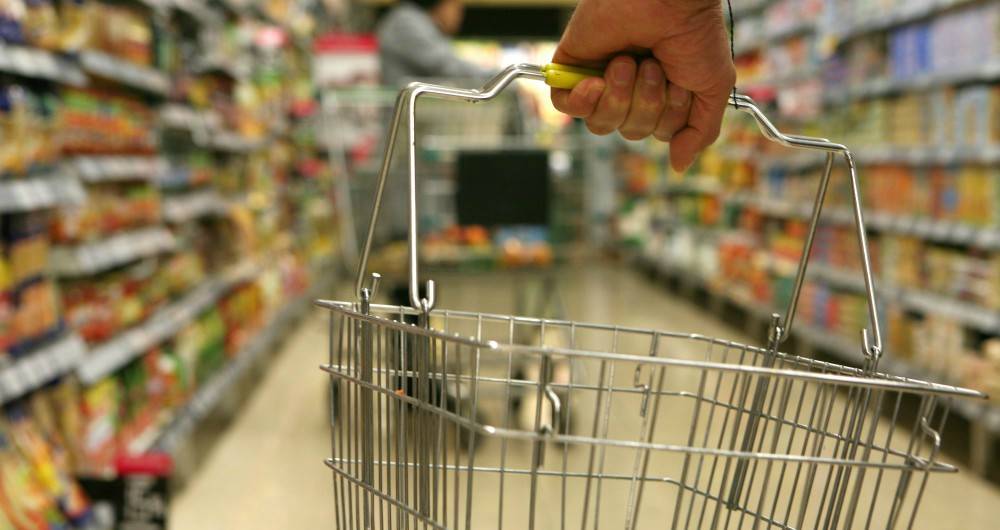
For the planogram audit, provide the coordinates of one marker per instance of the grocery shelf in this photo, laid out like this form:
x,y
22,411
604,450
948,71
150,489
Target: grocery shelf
x,y
938,231
115,168
928,303
881,87
193,205
108,357
849,351
927,155
119,249
846,350
36,368
107,66
37,63
912,156
911,12
208,395
968,313
24,195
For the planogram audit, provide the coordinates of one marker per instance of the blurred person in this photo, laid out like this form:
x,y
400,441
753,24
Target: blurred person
x,y
414,40
668,71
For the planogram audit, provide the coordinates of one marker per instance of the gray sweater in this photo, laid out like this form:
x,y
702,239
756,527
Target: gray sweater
x,y
411,46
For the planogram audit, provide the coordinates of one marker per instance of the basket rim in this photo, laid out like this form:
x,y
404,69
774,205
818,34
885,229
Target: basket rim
x,y
877,380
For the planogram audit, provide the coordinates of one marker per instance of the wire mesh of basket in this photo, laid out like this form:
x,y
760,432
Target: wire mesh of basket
x,y
462,420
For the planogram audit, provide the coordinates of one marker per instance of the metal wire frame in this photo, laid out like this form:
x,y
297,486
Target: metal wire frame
x,y
413,445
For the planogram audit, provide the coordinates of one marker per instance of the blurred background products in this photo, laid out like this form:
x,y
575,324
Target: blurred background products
x,y
179,180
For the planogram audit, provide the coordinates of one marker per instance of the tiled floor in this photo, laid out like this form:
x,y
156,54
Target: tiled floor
x,y
267,472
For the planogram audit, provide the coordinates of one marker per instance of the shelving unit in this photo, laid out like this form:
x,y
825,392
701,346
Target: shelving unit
x,y
170,215
40,192
41,366
853,74
119,249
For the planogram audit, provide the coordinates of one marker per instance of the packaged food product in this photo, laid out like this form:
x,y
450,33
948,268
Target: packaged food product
x,y
23,499
36,313
41,24
11,18
101,407
50,465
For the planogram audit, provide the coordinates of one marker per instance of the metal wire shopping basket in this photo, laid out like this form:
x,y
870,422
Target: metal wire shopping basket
x,y
655,429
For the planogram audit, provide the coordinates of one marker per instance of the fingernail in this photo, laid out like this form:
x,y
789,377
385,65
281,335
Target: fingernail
x,y
622,73
650,74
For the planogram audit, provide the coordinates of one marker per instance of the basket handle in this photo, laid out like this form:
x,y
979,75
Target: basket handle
x,y
567,77
406,108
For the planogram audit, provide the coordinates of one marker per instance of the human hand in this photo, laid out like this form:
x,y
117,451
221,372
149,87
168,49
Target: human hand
x,y
678,95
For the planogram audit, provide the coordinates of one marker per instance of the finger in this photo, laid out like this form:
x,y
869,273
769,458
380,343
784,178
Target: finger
x,y
614,103
649,97
675,116
582,100
703,125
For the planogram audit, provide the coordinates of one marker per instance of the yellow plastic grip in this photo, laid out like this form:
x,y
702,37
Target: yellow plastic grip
x,y
563,76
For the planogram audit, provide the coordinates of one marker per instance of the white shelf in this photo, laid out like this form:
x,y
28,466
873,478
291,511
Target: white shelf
x,y
949,232
37,63
38,367
178,116
880,87
924,156
967,313
913,156
119,168
197,10
119,249
193,205
35,193
231,142
144,78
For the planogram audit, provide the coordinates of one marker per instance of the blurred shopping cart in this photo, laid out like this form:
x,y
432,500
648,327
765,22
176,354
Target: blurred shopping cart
x,y
660,429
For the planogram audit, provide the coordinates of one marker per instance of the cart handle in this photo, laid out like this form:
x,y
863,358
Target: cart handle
x,y
567,77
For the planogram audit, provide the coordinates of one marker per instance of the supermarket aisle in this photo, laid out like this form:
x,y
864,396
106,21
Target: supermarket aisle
x,y
266,472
